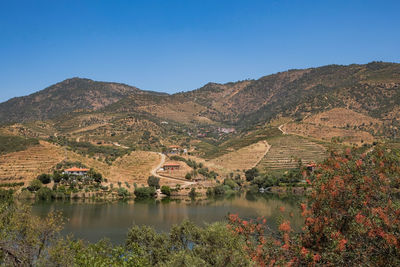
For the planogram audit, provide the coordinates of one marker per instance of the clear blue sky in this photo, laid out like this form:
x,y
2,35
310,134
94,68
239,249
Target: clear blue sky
x,y
172,46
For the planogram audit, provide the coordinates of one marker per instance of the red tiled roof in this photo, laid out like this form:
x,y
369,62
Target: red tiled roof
x,y
171,165
75,169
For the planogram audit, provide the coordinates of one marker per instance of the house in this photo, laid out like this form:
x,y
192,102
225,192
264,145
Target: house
x,y
76,171
171,167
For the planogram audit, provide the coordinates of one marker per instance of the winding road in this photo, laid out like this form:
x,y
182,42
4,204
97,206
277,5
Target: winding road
x,y
154,173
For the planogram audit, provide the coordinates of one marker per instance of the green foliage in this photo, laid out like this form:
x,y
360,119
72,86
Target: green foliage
x,y
351,216
6,195
10,143
44,178
96,176
144,192
166,190
251,174
217,190
57,176
86,148
189,244
192,193
25,239
188,176
153,181
34,185
232,184
15,184
123,192
44,193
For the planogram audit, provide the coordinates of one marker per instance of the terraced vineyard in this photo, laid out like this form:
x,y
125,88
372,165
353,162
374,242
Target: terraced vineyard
x,y
26,165
286,150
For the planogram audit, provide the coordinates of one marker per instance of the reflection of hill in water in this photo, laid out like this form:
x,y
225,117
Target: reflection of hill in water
x,y
112,220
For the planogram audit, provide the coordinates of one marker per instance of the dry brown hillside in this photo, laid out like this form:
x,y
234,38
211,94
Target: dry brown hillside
x,y
27,165
344,118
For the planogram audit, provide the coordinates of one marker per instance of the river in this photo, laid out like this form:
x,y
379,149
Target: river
x,y
93,221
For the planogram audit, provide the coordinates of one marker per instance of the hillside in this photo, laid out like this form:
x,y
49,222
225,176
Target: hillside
x,y
346,105
71,95
371,89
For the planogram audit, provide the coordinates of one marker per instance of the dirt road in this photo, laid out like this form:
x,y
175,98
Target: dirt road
x,y
154,173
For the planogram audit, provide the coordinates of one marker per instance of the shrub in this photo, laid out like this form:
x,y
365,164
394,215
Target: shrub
x,y
192,193
123,192
44,193
166,190
231,184
351,217
219,190
44,178
188,176
145,192
57,176
34,185
251,174
6,194
153,181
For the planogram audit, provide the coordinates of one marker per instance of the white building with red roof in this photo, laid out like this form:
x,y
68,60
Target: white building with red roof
x,y
76,171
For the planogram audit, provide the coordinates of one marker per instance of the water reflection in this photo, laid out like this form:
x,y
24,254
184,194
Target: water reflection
x,y
95,220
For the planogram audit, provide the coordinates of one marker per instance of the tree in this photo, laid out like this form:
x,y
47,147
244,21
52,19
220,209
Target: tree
x,y
123,192
188,176
26,239
153,181
34,185
351,217
192,193
44,178
145,192
251,174
96,176
57,177
166,190
44,193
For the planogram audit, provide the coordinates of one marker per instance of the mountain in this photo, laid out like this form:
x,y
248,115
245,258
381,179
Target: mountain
x,y
372,89
71,95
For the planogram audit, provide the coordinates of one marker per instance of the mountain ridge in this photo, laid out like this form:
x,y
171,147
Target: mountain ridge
x,y
294,93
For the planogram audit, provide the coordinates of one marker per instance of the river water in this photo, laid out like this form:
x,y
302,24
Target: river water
x,y
93,221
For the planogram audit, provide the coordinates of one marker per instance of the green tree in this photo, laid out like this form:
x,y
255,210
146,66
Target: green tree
x,y
192,193
44,193
144,192
153,181
166,190
123,192
251,174
44,178
34,185
57,176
